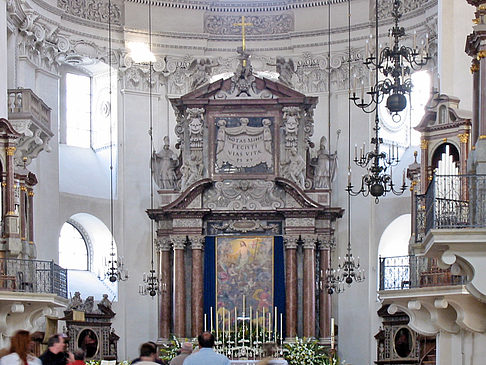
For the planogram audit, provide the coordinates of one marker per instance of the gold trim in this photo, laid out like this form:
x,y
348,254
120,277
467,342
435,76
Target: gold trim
x,y
10,150
481,54
31,242
463,137
474,67
31,193
444,140
473,148
482,7
482,137
10,212
476,21
4,184
424,144
23,188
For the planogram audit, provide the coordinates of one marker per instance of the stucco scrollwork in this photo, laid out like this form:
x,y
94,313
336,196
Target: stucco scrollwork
x,y
244,195
291,119
261,24
195,124
93,10
386,6
246,225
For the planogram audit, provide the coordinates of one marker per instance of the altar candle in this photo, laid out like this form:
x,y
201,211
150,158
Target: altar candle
x,y
222,325
281,328
217,325
205,322
269,326
257,325
211,318
263,330
251,327
275,321
332,333
244,305
236,325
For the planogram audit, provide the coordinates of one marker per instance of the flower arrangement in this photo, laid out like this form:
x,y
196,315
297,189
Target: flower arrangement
x,y
169,351
307,351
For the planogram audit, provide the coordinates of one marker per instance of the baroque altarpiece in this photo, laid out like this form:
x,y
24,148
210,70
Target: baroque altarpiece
x,y
245,217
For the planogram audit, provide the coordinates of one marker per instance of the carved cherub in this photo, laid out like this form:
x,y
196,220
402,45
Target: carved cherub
x,y
201,71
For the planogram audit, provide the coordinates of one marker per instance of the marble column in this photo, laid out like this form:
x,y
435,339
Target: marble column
x,y
179,243
30,213
3,59
309,302
424,171
291,285
23,211
164,247
482,93
197,244
324,296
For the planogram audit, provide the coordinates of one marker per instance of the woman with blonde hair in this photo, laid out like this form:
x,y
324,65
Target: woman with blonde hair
x,y
20,352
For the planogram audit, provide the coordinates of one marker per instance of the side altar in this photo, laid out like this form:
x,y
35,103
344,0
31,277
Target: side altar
x,y
245,216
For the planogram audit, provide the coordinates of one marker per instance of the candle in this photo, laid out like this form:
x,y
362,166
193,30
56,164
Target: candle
x,y
390,38
367,49
217,325
281,329
414,39
257,325
355,151
349,177
251,327
332,333
222,324
211,318
427,43
269,326
403,180
275,321
244,305
236,325
205,322
263,330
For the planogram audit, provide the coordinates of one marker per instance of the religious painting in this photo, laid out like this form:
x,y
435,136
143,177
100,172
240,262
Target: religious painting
x,y
244,272
88,341
403,342
244,145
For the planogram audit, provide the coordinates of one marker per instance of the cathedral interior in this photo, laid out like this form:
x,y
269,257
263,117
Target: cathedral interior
x,y
290,168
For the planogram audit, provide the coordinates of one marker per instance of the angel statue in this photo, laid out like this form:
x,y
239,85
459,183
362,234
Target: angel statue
x,y
165,163
285,69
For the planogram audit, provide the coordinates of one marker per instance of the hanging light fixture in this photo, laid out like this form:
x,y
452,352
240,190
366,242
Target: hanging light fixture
x,y
378,180
150,284
349,269
115,269
396,62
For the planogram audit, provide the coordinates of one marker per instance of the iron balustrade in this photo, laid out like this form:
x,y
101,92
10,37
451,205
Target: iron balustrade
x,y
451,201
35,276
406,272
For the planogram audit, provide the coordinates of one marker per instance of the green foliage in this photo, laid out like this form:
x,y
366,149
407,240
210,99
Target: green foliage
x,y
307,351
169,351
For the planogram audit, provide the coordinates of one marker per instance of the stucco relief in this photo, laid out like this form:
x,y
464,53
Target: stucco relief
x,y
93,10
386,6
260,24
244,194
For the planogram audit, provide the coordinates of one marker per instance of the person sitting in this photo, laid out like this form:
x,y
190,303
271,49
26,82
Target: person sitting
x,y
206,355
20,351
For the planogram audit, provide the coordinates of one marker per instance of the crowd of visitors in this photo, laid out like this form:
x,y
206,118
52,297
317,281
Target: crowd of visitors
x,y
22,346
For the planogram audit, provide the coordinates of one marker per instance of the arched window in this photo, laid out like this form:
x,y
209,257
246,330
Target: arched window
x,y
84,249
78,110
73,251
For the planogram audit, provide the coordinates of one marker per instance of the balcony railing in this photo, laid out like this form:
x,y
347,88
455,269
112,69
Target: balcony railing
x,y
24,104
33,276
451,201
406,272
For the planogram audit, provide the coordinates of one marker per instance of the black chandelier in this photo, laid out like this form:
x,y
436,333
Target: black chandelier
x,y
150,284
115,271
396,63
348,270
376,182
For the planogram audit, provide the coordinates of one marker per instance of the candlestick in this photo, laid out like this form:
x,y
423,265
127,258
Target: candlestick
x,y
211,318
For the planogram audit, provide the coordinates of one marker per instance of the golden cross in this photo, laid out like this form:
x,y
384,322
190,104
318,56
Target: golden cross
x,y
243,25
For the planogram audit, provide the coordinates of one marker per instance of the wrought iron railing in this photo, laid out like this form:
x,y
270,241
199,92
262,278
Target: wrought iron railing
x,y
34,276
451,201
405,272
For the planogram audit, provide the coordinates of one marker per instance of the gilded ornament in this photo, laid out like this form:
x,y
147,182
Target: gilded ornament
x,y
31,193
463,137
482,136
481,54
424,144
474,67
23,188
444,140
10,150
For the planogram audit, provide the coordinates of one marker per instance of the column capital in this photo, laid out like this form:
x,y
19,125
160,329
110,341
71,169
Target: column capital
x,y
10,150
179,242
463,137
197,242
424,144
309,241
326,242
290,242
163,244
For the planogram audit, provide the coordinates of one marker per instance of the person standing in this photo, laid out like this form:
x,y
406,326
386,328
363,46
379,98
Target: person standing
x,y
206,355
20,350
186,350
55,353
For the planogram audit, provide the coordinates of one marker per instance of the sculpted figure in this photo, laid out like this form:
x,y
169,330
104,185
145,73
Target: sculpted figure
x,y
285,69
165,165
76,302
220,140
324,166
192,170
294,168
201,70
88,306
105,302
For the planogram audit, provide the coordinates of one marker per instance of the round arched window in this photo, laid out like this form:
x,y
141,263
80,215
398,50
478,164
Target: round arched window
x,y
73,252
